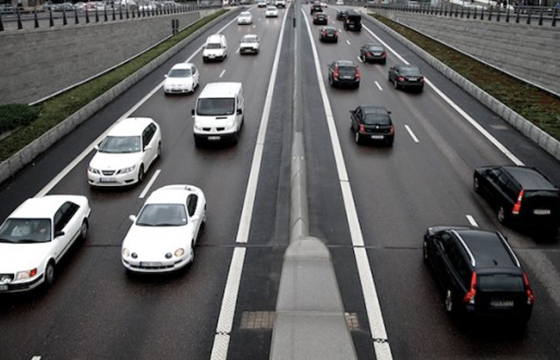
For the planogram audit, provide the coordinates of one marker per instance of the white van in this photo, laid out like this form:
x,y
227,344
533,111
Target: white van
x,y
215,48
219,112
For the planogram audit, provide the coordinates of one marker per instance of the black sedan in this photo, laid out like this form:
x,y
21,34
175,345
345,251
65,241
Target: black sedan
x,y
344,73
371,122
406,77
372,53
320,19
328,33
341,15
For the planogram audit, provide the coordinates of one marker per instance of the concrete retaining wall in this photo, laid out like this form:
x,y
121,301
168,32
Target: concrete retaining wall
x,y
36,63
525,51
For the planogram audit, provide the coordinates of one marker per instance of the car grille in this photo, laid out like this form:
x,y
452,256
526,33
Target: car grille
x,y
218,129
108,172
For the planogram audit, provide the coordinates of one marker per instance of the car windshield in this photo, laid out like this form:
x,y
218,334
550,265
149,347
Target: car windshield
x,y
162,215
378,119
271,8
120,145
213,46
249,39
411,71
26,231
179,73
500,282
245,15
216,107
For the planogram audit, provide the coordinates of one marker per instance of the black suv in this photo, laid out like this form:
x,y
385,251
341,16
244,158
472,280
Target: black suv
x,y
344,73
371,122
522,195
479,273
316,8
406,76
341,15
353,22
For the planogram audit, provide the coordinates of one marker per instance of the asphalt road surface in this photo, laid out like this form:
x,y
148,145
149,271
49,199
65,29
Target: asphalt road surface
x,y
95,311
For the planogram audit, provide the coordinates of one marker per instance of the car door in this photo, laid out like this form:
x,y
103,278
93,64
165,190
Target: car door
x,y
195,76
194,213
356,118
438,257
150,149
66,228
493,186
331,70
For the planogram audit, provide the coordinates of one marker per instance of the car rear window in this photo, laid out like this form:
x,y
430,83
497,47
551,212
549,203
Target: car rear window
x,y
249,39
380,119
330,30
500,282
375,48
411,72
213,46
346,70
542,194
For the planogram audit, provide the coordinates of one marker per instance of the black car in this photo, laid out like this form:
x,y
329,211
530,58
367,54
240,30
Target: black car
x,y
320,19
406,76
371,122
353,22
316,8
522,195
341,15
479,273
344,73
328,33
373,53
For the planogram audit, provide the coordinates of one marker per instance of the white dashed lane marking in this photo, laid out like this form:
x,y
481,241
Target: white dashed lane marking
x,y
472,221
223,72
411,134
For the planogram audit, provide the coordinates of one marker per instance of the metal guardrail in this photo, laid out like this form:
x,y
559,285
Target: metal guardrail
x,y
37,19
526,14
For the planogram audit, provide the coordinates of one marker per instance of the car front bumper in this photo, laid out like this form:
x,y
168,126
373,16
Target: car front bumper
x,y
22,286
112,180
158,266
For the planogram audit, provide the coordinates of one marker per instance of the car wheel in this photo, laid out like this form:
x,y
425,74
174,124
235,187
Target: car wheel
x,y
389,142
84,230
384,62
49,274
425,251
235,138
331,83
204,60
449,305
358,138
197,141
502,217
396,84
192,253
159,148
141,174
476,185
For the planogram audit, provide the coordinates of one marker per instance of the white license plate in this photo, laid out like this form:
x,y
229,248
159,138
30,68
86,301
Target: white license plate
x,y
377,137
3,287
108,180
150,264
412,79
213,138
541,212
502,303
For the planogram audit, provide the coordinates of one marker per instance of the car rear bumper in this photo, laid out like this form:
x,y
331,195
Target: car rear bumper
x,y
411,85
515,315
376,59
346,83
329,39
251,50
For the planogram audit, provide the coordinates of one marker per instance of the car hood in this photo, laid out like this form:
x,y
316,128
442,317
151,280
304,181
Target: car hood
x,y
157,240
183,81
104,161
19,257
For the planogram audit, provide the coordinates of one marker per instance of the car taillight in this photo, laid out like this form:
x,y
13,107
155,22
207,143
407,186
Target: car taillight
x,y
421,80
324,32
469,297
391,130
335,74
401,78
383,54
362,128
368,53
530,295
358,75
517,206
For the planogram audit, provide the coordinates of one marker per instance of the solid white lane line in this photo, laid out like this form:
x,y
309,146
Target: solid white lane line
x,y
411,133
378,85
229,300
149,185
237,51
371,300
461,112
472,221
222,73
90,147
254,26
348,42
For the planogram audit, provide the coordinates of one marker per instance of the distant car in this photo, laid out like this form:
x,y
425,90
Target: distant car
x,y
163,235
406,76
323,4
353,22
344,73
372,53
126,154
316,8
479,273
341,15
339,2
320,19
245,18
328,34
261,3
182,78
522,195
370,122
280,3
36,236
271,11
215,48
249,44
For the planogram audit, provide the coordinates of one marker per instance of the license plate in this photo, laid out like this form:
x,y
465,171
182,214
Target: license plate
x,y
150,264
412,79
377,137
3,287
541,212
213,138
502,303
108,180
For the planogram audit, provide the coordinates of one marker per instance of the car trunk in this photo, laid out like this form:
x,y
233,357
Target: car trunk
x,y
541,206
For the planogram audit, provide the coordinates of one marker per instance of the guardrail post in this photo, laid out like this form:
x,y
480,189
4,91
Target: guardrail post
x,y
507,15
120,13
96,14
490,13
498,16
87,16
554,17
76,19
36,18
528,16
126,12
517,15
468,13
114,18
1,23
19,24
474,15
51,20
541,17
482,14
462,11
105,18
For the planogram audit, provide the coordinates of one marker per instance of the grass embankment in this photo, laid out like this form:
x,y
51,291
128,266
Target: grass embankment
x,y
55,110
534,104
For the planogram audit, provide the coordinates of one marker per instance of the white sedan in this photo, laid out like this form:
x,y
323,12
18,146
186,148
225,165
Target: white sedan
x,y
127,152
245,18
249,44
36,236
163,236
182,78
271,11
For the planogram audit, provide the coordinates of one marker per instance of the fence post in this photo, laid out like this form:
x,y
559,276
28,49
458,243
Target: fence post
x,y
36,19
528,16
87,16
498,16
1,23
554,17
541,16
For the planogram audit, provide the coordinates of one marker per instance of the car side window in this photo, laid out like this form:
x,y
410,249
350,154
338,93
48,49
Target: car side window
x,y
63,215
506,185
194,70
148,134
192,200
446,241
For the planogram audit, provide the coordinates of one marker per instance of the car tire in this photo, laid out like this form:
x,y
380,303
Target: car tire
x,y
389,142
141,174
449,303
384,62
358,138
49,274
502,217
159,150
396,84
235,138
204,60
425,251
84,230
331,82
192,254
476,185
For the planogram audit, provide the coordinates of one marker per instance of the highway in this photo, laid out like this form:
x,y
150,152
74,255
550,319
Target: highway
x,y
95,311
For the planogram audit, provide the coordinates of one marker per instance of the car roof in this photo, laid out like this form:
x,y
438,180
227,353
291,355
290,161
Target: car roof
x,y
403,66
329,28
43,207
220,90
345,63
529,178
249,36
131,127
171,194
215,38
245,13
372,109
182,66
373,44
488,249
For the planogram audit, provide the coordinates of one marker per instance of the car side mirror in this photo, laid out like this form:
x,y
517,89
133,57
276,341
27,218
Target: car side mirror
x,y
165,76
132,218
239,111
192,112
58,234
388,112
96,147
149,147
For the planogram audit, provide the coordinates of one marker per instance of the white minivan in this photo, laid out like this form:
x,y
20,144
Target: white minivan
x,y
219,112
215,48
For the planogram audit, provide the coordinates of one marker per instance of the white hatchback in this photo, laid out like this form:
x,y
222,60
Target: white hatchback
x,y
249,44
36,236
164,234
182,78
245,18
126,154
271,11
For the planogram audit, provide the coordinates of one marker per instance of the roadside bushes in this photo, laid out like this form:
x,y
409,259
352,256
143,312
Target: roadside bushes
x,y
13,116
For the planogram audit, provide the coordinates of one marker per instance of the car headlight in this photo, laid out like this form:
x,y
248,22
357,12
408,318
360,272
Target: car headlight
x,y
125,252
93,170
127,170
197,126
21,275
179,252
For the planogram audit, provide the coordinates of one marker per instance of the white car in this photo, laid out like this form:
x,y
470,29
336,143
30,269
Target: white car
x,y
36,236
271,11
126,154
163,236
245,18
339,2
182,78
249,44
